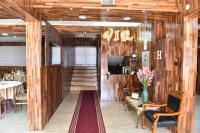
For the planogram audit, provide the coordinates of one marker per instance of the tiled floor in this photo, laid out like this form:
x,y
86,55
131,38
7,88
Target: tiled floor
x,y
116,119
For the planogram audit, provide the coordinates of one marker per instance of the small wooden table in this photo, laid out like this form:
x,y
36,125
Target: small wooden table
x,y
136,104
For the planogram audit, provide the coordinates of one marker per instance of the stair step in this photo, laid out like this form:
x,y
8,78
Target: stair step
x,y
84,78
84,75
73,87
84,68
85,71
82,83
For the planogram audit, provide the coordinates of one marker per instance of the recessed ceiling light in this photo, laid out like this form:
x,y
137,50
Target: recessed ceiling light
x,y
82,17
126,18
4,34
187,6
71,9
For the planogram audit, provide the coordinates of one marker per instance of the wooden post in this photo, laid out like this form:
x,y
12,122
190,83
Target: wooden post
x,y
189,72
33,65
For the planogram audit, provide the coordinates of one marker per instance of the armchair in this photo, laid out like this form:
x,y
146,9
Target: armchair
x,y
168,115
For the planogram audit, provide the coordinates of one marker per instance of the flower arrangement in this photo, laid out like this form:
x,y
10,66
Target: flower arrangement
x,y
145,76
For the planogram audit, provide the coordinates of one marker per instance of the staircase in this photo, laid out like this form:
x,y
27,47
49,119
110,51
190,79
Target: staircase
x,y
84,78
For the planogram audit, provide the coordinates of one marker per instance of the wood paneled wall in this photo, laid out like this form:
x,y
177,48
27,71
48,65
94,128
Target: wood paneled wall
x,y
51,36
52,78
112,87
68,60
52,89
167,38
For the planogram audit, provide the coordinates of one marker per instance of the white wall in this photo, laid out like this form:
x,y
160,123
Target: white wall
x,y
12,56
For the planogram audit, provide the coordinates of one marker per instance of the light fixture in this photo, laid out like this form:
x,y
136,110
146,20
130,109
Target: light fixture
x,y
82,17
4,34
14,36
126,18
187,7
71,9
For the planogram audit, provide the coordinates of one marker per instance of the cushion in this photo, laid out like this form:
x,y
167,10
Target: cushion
x,y
164,121
173,103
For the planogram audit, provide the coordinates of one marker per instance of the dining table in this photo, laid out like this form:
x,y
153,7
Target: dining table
x,y
9,89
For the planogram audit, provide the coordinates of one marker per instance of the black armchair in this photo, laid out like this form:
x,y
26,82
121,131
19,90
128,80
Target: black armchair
x,y
168,115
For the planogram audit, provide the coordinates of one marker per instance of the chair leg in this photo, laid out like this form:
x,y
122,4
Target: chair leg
x,y
154,128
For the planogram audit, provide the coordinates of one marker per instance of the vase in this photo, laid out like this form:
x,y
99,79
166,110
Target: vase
x,y
145,95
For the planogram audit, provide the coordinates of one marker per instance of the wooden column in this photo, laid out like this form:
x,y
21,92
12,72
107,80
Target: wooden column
x,y
189,71
33,64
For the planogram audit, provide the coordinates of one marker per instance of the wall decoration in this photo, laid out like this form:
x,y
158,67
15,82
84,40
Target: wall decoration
x,y
145,59
123,35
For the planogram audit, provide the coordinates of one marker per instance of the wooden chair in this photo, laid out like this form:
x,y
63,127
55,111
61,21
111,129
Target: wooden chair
x,y
8,77
168,115
20,100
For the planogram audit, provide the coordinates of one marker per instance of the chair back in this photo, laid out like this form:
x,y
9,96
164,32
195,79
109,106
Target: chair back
x,y
8,77
174,101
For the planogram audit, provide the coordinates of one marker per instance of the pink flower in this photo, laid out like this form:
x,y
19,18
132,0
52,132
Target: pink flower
x,y
145,76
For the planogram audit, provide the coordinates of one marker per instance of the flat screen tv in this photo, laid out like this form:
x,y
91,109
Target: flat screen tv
x,y
117,62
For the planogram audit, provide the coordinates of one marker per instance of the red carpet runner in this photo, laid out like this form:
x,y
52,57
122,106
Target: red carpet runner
x,y
87,116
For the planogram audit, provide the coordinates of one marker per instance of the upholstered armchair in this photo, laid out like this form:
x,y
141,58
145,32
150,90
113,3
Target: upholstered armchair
x,y
168,115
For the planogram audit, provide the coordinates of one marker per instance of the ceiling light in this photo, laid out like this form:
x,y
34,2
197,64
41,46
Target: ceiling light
x,y
143,10
187,6
4,34
126,18
107,10
71,9
14,36
82,17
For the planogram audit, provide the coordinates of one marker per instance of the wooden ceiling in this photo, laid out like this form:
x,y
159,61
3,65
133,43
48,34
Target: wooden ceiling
x,y
70,9
6,15
138,10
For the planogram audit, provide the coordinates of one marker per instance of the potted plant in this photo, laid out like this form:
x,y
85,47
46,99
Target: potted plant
x,y
145,76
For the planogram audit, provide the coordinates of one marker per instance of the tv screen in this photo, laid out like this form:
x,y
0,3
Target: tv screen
x,y
117,62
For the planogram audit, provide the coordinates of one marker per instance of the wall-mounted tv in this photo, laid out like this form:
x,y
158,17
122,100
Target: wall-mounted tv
x,y
116,63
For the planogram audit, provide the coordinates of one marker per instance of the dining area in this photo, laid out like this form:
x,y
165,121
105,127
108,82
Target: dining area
x,y
12,92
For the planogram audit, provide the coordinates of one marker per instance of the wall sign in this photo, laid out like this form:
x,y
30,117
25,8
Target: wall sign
x,y
158,55
145,59
123,35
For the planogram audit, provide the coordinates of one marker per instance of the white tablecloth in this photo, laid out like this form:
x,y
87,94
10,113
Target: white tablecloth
x,y
9,89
